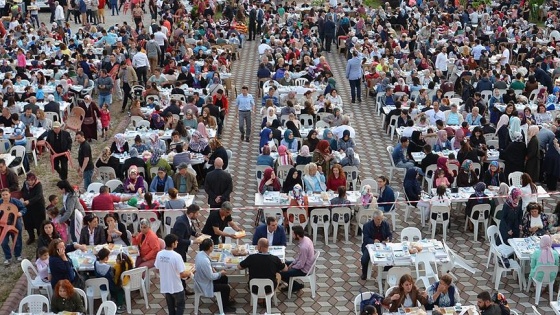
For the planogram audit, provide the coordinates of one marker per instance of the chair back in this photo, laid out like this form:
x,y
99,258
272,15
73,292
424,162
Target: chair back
x,y
153,172
321,124
358,300
94,187
155,222
320,217
259,173
390,289
425,258
477,168
113,184
18,151
306,120
341,215
107,307
371,182
94,286
83,296
394,275
8,218
135,120
299,216
169,219
35,304
311,271
136,279
52,116
394,205
282,171
261,285
390,150
440,213
408,234
275,213
352,173
480,212
142,123
300,81
548,272
514,179
491,233
106,173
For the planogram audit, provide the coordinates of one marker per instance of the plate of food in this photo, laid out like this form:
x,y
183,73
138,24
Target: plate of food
x,y
233,260
224,246
215,256
240,234
132,250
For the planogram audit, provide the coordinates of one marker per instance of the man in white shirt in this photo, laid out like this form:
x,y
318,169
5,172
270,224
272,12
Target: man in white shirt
x,y
263,47
171,270
141,65
505,55
441,61
160,39
477,50
435,114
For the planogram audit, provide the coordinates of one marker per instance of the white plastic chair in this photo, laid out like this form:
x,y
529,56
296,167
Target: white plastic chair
x,y
481,213
310,277
275,213
351,173
321,124
499,269
371,182
393,168
358,300
94,291
546,271
296,212
429,176
393,211
31,148
218,297
35,304
169,218
261,284
411,207
259,173
338,217
300,81
84,297
306,120
394,275
143,123
455,261
409,233
18,151
134,120
136,282
503,249
107,307
514,179
53,116
437,217
364,215
392,126
113,184
5,146
155,222
426,258
535,310
320,217
34,282
94,187
106,173
229,155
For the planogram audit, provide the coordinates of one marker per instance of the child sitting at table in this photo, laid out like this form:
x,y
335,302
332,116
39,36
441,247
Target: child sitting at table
x,y
123,263
441,179
53,213
104,270
42,263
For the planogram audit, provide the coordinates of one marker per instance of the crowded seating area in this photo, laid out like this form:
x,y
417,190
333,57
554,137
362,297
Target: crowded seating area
x,y
332,158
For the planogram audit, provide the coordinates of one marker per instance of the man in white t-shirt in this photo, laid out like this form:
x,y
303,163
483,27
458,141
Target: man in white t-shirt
x,y
171,270
505,55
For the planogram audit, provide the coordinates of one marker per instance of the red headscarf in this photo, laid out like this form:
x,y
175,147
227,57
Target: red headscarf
x,y
323,147
266,176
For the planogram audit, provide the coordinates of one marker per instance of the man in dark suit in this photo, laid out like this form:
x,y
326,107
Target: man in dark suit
x,y
375,231
52,106
218,185
276,236
184,228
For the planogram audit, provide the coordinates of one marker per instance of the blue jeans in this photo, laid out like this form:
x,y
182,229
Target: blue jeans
x,y
87,178
6,247
286,275
175,303
105,99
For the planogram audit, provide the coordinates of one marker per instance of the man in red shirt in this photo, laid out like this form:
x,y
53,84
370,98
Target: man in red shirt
x,y
105,200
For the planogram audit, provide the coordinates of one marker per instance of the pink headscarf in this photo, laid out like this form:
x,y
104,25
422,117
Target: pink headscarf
x,y
546,250
459,136
202,129
283,155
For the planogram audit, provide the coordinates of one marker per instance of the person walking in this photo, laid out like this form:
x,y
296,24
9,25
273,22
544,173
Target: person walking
x,y
128,78
59,141
354,75
171,270
245,105
141,65
185,228
85,159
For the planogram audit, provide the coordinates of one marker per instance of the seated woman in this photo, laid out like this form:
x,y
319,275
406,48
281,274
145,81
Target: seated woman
x,y
386,197
156,143
336,177
104,270
529,191
289,141
304,157
138,145
442,293
156,160
341,200
60,266
162,182
265,158
405,295
535,221
322,156
106,159
467,176
544,256
334,98
115,231
92,233
367,198
478,198
494,175
208,120
66,299
314,179
269,182
134,183
328,136
120,145
148,244
345,142
190,120
174,202
284,156
293,178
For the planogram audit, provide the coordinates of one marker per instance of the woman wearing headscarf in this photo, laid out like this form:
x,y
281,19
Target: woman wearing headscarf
x,y
298,199
552,165
304,156
312,140
199,144
269,117
367,198
345,142
544,256
106,159
265,158
494,175
284,156
502,132
510,225
157,161
289,141
202,129
314,179
459,137
322,156
328,135
156,143
533,159
350,158
32,193
515,126
292,126
478,198
269,182
467,176
331,84
442,143
442,163
119,145
134,183
514,155
266,136
276,132
411,186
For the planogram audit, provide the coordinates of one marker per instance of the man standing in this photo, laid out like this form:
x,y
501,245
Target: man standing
x,y
330,29
245,105
218,220
105,88
60,142
184,228
85,162
59,14
303,261
263,265
152,52
6,198
441,61
354,75
252,23
128,77
274,235
184,181
141,64
375,231
218,185
171,270
160,37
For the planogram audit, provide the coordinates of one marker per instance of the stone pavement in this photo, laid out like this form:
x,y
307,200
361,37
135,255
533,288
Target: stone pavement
x,y
338,268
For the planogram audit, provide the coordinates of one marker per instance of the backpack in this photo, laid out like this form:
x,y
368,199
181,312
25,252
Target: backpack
x,y
501,300
374,300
